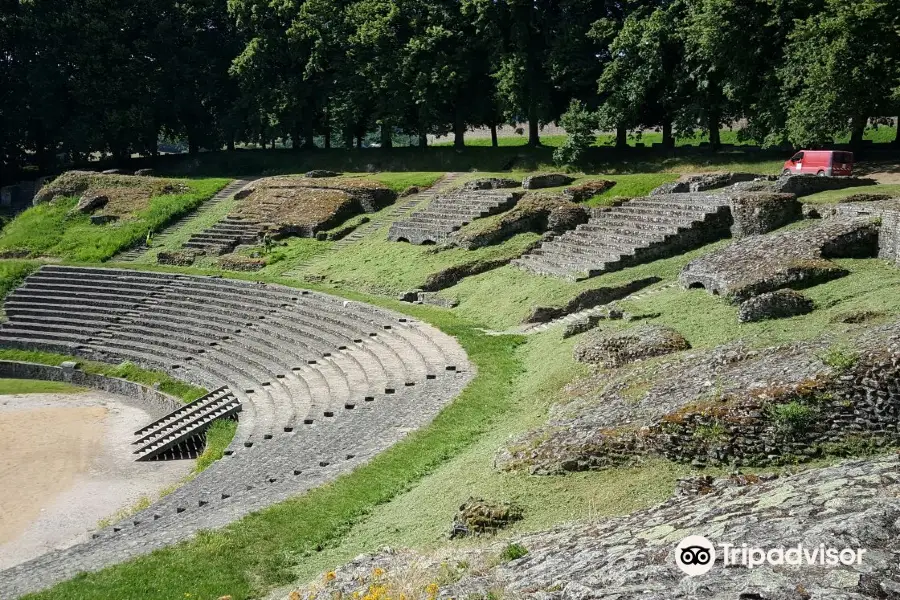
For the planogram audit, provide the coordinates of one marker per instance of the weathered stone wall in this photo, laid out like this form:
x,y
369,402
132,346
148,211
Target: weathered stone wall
x,y
730,406
156,402
758,213
888,212
794,259
589,299
804,185
702,183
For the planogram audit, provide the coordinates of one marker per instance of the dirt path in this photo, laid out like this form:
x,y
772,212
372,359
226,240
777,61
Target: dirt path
x,y
65,464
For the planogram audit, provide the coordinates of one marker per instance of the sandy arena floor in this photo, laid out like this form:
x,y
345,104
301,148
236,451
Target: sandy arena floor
x,y
66,464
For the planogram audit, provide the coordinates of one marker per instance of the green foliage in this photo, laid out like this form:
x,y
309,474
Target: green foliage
x,y
13,273
218,436
49,229
580,124
513,552
840,358
710,433
793,416
848,71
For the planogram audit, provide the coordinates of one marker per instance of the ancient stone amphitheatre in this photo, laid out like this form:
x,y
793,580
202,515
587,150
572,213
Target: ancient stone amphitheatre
x,y
593,367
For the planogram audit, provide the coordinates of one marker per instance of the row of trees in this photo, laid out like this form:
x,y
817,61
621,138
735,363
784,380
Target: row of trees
x,y
113,76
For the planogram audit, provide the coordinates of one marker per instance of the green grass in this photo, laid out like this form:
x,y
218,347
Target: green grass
x,y
631,186
263,549
126,370
49,230
707,321
218,436
832,196
881,135
378,266
399,182
34,386
13,273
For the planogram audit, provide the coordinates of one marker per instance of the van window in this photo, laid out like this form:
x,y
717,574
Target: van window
x,y
797,157
843,157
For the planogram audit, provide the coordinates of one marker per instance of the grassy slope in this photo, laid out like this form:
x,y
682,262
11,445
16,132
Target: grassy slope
x,y
48,230
32,386
838,195
376,265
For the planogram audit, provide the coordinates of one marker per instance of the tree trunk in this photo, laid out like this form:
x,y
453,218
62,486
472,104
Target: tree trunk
x,y
193,145
494,142
897,137
327,137
621,137
668,140
295,138
359,139
348,137
387,140
534,134
459,131
423,140
230,142
713,119
858,128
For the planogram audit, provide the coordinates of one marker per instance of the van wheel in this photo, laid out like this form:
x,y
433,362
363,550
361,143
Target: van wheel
x,y
786,172
821,174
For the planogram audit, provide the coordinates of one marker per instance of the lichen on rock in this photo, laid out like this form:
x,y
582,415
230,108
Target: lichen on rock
x,y
616,348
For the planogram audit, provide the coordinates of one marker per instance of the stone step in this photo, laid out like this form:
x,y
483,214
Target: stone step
x,y
188,422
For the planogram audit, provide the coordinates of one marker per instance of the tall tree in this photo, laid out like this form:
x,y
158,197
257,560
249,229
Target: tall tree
x,y
844,67
646,83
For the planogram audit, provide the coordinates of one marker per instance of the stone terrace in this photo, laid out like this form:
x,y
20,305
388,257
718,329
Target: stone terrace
x,y
638,231
324,384
446,214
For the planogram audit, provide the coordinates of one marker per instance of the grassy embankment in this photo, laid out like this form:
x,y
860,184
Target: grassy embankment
x,y
296,249
49,230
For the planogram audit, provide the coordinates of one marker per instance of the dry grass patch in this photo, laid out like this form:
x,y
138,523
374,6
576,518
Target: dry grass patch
x,y
128,195
303,206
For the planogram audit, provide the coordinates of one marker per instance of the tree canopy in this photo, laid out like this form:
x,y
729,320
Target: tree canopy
x,y
115,77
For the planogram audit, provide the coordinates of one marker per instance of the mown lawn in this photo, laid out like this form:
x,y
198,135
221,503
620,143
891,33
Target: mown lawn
x,y
34,386
49,230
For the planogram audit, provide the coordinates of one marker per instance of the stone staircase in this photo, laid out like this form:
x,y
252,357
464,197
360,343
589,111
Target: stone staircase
x,y
225,236
448,213
185,424
399,210
135,252
638,231
324,384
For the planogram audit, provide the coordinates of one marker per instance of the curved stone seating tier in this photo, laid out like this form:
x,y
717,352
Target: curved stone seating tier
x,y
640,230
446,214
324,384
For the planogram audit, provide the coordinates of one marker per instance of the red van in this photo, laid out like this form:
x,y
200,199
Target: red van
x,y
821,163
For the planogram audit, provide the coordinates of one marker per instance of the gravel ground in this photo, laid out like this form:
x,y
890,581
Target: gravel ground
x,y
66,464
